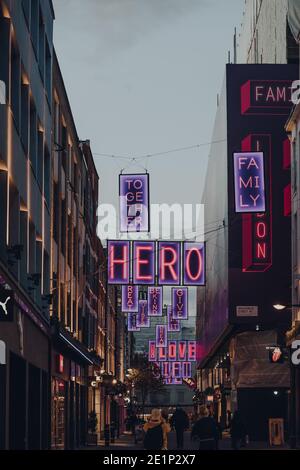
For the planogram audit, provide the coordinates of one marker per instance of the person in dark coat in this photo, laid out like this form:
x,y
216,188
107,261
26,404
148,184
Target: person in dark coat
x,y
238,431
205,430
180,422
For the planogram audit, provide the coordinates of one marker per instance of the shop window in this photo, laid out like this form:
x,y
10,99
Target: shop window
x,y
34,407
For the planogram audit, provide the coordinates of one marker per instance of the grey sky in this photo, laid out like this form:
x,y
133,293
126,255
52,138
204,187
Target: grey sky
x,y
142,77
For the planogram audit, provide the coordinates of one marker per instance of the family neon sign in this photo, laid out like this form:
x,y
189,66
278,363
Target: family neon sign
x,y
249,182
134,203
130,298
155,301
180,303
137,260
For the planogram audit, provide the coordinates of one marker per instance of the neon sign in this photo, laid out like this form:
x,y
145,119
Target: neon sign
x,y
161,336
180,303
169,263
143,320
135,263
134,203
130,298
173,323
249,182
272,97
194,263
143,262
132,322
155,301
177,350
118,261
152,354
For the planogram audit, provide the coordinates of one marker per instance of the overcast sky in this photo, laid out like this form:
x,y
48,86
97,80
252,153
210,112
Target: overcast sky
x,y
142,77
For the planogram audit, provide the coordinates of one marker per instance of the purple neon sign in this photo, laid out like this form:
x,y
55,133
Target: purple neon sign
x,y
249,182
161,337
194,263
118,261
180,303
169,263
152,352
130,298
143,262
173,323
132,322
155,301
134,203
143,320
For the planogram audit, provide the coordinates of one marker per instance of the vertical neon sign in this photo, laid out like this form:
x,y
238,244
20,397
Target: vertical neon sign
x,y
194,263
132,322
130,298
152,354
134,203
118,261
143,262
169,263
161,336
173,323
155,301
180,303
143,320
249,182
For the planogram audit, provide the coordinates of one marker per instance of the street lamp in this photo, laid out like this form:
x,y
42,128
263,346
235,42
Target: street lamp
x,y
285,307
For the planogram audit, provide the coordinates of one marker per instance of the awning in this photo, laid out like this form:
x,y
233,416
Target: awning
x,y
294,18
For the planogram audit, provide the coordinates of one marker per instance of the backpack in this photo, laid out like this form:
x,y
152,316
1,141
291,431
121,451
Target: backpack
x,y
154,438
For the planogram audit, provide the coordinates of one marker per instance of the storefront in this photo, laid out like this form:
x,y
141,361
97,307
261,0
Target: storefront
x,y
69,391
24,373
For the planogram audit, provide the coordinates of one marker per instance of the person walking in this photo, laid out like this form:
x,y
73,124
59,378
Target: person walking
x,y
205,429
237,431
156,430
166,429
180,422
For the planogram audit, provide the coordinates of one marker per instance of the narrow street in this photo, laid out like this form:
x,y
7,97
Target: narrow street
x,y
126,443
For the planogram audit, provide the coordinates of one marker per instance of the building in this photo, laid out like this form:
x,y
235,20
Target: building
x,y
293,130
248,256
76,299
25,152
265,36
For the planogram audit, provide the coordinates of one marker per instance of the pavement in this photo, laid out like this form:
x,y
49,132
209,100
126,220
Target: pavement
x,y
126,442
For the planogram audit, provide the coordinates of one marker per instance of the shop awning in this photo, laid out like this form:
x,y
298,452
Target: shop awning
x,y
294,18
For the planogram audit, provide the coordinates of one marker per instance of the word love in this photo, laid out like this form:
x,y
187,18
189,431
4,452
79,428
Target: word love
x,y
156,262
176,350
249,182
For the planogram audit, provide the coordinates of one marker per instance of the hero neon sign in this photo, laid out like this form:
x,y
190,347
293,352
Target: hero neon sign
x,y
134,203
178,263
249,182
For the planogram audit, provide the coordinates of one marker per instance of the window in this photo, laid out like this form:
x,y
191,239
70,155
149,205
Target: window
x,y
33,137
47,176
26,10
15,85
42,54
34,24
48,70
40,159
25,116
55,212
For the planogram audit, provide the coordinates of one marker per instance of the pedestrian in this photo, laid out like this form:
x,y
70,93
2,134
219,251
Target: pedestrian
x,y
156,431
205,429
228,419
180,422
166,429
237,431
